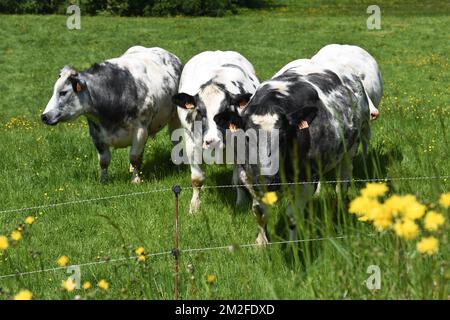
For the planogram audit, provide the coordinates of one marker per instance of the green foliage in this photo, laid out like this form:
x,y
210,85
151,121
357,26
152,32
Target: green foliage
x,y
132,7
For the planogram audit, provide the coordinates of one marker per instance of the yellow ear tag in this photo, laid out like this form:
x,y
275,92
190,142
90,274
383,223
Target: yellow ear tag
x,y
303,125
232,127
189,106
242,104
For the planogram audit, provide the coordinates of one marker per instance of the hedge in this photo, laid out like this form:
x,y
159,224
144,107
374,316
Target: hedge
x,y
131,7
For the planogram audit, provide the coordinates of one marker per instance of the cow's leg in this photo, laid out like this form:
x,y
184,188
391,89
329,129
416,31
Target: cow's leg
x,y
346,171
197,174
241,191
261,216
140,138
104,154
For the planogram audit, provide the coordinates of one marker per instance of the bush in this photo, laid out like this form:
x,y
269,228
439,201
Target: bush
x,y
131,7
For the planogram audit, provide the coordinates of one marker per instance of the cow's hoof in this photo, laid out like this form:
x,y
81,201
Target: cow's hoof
x,y
195,206
261,240
104,179
136,180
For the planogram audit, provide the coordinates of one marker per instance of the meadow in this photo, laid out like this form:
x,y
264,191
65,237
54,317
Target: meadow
x,y
42,166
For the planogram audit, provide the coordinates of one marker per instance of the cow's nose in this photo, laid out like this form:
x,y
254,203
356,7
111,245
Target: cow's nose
x,y
44,118
373,115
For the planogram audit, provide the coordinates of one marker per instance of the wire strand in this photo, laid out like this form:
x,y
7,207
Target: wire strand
x,y
74,202
192,250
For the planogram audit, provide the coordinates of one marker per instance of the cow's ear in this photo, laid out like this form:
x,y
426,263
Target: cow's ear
x,y
229,120
302,117
240,100
184,100
77,83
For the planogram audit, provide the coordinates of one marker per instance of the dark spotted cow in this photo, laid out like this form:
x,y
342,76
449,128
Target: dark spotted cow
x,y
319,118
125,100
209,84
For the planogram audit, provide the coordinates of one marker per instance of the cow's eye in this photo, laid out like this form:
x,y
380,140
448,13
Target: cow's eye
x,y
62,93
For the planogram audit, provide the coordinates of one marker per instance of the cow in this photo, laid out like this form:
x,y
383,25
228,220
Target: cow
x,y
209,84
318,118
125,100
348,61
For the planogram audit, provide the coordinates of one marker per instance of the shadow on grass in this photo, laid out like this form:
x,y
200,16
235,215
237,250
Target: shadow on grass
x,y
158,164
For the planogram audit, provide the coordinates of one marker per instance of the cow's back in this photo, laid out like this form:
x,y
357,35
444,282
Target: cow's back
x,y
217,65
346,60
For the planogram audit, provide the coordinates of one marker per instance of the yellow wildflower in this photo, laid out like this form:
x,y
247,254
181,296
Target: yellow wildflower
x,y
140,251
29,220
444,200
23,295
406,229
142,258
16,235
62,261
429,245
103,284
398,204
383,220
86,285
270,198
211,279
69,285
362,205
373,190
433,220
415,211
3,243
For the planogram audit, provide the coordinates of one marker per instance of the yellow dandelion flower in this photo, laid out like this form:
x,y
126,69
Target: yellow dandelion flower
x,y
62,261
86,285
373,190
428,245
16,235
270,198
142,258
103,284
3,243
211,279
414,211
406,229
433,220
69,285
383,220
362,205
140,251
23,295
444,200
29,220
398,204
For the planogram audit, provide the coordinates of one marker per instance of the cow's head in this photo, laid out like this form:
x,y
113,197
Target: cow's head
x,y
211,100
70,98
273,117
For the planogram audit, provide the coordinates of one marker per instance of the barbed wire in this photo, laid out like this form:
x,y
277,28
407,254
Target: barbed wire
x,y
166,189
231,248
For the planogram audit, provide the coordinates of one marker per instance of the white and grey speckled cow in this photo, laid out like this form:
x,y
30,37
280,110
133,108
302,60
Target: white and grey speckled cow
x,y
125,100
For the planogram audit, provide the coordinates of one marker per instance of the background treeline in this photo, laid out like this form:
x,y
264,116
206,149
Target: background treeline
x,y
131,7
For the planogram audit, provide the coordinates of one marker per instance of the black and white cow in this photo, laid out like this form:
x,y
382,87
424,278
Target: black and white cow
x,y
319,119
209,85
347,61
125,100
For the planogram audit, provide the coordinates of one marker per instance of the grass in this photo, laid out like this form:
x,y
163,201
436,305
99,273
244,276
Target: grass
x,y
41,165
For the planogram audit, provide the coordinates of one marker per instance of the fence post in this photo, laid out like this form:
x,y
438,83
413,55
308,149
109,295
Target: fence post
x,y
176,251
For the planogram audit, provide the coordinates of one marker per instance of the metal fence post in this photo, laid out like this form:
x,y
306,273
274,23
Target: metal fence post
x,y
176,251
